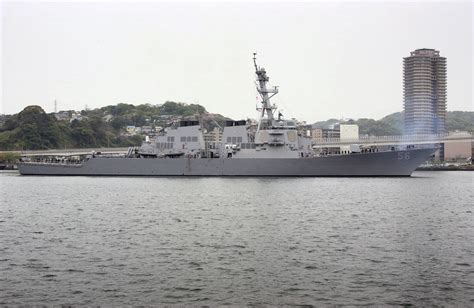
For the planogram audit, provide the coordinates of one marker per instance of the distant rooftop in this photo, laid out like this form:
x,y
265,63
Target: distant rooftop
x,y
425,52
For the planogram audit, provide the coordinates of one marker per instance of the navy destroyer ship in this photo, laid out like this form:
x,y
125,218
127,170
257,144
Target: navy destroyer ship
x,y
276,147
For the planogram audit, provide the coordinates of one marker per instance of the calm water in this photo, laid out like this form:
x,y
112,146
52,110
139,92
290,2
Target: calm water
x,y
121,241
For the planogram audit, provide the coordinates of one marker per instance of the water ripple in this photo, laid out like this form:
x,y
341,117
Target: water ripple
x,y
237,241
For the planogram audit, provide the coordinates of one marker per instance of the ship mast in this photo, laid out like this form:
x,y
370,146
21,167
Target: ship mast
x,y
262,79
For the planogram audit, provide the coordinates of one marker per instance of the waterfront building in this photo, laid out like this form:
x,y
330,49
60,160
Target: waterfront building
x,y
424,87
348,132
458,150
324,133
338,131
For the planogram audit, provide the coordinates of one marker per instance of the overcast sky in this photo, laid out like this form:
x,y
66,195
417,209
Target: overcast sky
x,y
330,59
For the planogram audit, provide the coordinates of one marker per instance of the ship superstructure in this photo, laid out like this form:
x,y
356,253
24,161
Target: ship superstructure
x,y
275,137
275,148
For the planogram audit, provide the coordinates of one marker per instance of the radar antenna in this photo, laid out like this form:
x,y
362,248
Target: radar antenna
x,y
255,61
262,79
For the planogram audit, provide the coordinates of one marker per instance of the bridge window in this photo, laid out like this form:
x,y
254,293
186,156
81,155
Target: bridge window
x,y
195,139
183,139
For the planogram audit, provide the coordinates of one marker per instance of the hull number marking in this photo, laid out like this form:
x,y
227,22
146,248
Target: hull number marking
x,y
403,155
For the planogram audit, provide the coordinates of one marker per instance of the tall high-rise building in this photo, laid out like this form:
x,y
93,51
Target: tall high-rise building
x,y
424,87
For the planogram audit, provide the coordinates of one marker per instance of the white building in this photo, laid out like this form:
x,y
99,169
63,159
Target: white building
x,y
348,132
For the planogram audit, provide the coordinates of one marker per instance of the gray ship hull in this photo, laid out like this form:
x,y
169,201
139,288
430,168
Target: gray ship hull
x,y
393,163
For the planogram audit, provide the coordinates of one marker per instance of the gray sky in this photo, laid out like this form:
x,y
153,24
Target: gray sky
x,y
330,59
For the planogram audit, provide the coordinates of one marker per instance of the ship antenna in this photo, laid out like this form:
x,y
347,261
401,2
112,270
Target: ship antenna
x,y
262,79
255,61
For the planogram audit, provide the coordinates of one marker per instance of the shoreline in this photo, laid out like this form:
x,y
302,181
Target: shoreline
x,y
470,168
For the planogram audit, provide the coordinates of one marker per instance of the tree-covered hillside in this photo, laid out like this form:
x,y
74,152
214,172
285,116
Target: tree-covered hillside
x,y
393,123
33,129
460,120
127,114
